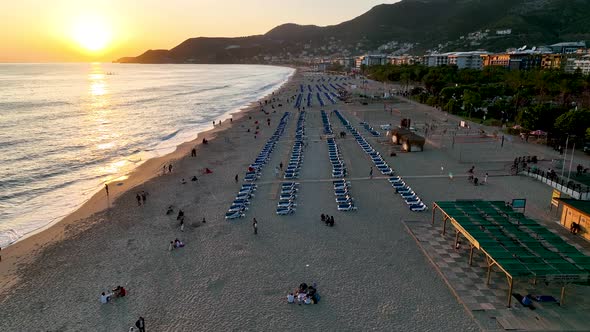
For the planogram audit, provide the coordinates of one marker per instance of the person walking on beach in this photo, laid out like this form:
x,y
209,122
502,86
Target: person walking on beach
x,y
371,173
143,197
170,168
255,226
485,178
138,199
106,188
281,165
140,324
164,169
236,178
182,224
193,152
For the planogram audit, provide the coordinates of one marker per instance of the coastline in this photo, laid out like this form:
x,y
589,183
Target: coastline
x,y
25,249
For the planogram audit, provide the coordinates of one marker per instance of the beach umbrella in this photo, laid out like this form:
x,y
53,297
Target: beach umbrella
x,y
538,132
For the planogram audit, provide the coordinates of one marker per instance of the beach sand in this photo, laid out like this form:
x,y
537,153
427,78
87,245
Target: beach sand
x,y
369,271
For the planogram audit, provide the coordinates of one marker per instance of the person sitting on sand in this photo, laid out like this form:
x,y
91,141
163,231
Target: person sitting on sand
x,y
300,298
119,292
183,181
205,141
171,246
170,210
307,300
178,243
104,298
323,217
290,298
194,178
303,288
116,291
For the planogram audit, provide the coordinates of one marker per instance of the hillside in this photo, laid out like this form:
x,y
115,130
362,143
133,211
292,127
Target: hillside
x,y
409,26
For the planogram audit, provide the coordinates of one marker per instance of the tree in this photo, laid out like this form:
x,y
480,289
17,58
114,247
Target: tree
x,y
540,116
405,79
574,122
471,100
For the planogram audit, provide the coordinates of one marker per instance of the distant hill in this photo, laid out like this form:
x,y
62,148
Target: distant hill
x,y
409,26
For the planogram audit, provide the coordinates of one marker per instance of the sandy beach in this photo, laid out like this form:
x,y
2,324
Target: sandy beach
x,y
370,272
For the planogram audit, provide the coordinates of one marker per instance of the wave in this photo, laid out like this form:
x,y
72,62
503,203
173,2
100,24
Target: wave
x,y
172,95
17,105
171,135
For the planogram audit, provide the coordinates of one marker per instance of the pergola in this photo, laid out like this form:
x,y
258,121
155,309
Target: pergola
x,y
519,246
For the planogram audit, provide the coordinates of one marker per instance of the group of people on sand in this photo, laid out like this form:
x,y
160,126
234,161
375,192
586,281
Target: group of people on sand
x,y
141,197
329,220
471,177
194,179
119,291
304,295
167,168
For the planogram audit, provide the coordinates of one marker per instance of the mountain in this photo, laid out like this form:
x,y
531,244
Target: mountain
x,y
409,26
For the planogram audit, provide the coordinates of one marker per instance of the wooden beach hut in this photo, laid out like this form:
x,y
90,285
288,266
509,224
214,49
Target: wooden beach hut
x,y
397,133
412,142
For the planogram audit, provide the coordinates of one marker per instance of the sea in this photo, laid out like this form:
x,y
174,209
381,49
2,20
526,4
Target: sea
x,y
66,129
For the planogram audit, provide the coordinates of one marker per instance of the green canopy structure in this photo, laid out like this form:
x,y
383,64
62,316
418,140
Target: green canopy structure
x,y
519,246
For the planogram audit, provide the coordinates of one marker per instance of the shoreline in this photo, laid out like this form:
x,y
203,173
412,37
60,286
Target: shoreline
x,y
24,249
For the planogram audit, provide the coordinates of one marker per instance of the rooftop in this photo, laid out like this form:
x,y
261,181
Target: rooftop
x,y
582,206
571,44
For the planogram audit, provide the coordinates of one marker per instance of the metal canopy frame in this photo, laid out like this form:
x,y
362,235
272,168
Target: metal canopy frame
x,y
502,223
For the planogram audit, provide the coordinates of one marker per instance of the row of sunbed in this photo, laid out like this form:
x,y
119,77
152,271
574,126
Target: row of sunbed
x,y
408,195
375,156
344,199
294,165
288,195
242,201
286,204
320,99
326,123
370,129
299,99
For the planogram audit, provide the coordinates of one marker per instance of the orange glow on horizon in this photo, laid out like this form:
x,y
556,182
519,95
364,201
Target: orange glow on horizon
x,y
106,30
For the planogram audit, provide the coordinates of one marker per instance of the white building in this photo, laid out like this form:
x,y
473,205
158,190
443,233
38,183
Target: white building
x,y
371,60
436,60
471,60
462,60
583,64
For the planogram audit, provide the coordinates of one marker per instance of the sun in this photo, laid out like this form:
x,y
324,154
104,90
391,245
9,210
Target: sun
x,y
91,33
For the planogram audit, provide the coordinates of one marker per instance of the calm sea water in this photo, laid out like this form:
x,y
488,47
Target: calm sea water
x,y
65,129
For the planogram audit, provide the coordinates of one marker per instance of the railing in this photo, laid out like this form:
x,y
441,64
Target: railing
x,y
569,187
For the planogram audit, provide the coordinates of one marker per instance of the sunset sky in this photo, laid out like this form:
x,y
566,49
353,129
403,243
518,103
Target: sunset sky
x,y
104,30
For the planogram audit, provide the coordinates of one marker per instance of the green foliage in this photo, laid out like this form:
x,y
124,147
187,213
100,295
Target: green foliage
x,y
574,122
534,99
